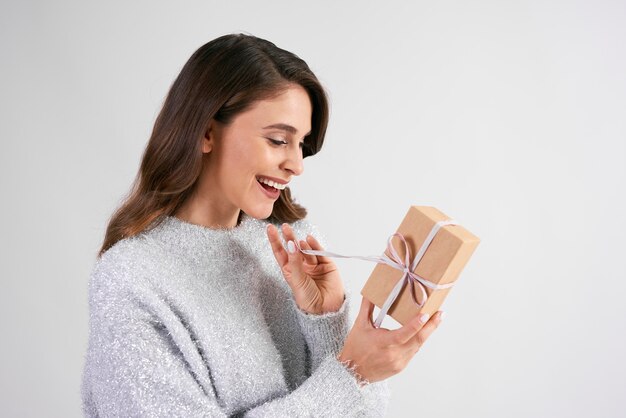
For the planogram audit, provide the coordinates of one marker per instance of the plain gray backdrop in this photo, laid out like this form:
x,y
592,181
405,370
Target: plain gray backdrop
x,y
508,116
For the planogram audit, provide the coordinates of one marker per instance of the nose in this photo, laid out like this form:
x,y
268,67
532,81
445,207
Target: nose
x,y
293,161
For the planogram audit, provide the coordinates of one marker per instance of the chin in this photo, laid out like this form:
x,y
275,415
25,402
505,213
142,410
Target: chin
x,y
260,213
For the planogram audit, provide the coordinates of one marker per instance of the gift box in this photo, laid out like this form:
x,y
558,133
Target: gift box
x,y
440,265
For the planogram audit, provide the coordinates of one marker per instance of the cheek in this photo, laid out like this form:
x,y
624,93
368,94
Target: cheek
x,y
243,160
242,169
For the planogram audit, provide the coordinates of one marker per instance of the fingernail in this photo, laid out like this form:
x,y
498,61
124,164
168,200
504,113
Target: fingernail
x,y
291,247
424,317
442,315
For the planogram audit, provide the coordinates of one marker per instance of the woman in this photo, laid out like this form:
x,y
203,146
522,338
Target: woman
x,y
196,308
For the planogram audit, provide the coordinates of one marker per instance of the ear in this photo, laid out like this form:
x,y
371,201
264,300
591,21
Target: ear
x,y
209,139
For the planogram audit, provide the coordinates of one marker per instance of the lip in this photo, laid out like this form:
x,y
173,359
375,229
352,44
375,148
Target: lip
x,y
271,195
277,180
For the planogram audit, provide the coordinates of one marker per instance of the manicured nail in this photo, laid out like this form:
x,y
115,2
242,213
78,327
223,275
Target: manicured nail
x,y
291,247
424,317
442,315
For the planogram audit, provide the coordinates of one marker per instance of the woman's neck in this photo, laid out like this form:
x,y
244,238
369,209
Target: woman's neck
x,y
208,214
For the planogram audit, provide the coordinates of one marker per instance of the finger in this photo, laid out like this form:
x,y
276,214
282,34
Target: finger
x,y
364,318
277,246
294,256
308,258
295,265
403,335
288,233
315,245
420,338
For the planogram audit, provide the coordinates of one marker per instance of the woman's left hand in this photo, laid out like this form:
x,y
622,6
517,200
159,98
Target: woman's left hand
x,y
315,281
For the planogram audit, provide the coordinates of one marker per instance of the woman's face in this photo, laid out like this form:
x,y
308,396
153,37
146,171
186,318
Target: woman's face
x,y
262,143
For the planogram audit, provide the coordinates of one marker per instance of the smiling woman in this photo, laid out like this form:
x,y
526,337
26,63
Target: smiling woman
x,y
196,308
222,79
242,160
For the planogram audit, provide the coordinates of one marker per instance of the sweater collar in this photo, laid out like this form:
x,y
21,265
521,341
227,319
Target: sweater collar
x,y
202,243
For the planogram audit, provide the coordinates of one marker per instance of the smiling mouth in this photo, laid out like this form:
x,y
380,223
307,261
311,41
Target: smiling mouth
x,y
270,185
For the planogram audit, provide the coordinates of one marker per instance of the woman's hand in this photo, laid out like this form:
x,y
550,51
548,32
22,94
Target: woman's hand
x,y
315,281
378,353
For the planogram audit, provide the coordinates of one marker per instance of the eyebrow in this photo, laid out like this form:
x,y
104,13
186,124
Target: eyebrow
x,y
285,127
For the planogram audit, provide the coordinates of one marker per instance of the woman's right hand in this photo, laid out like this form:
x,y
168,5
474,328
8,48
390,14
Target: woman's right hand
x,y
379,353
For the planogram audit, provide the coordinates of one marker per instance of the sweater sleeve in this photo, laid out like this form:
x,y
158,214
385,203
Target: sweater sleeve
x,y
325,335
141,373
139,364
331,391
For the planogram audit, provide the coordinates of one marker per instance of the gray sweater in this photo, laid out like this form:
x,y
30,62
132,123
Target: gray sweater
x,y
187,321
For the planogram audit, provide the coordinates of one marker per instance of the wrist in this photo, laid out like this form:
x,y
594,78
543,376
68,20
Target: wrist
x,y
352,368
313,309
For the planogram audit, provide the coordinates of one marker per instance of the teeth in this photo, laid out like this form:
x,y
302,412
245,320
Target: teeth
x,y
272,183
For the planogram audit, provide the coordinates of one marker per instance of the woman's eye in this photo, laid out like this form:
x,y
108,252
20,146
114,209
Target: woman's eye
x,y
277,141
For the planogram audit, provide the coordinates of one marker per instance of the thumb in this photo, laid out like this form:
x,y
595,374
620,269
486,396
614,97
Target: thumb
x,y
365,313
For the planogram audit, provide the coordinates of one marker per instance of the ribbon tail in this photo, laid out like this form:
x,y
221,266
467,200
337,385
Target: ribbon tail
x,y
412,286
390,300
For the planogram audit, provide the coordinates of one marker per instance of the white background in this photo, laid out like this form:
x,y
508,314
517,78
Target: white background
x,y
508,116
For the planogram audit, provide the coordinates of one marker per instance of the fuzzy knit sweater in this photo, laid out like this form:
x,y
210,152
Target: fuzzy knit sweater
x,y
188,321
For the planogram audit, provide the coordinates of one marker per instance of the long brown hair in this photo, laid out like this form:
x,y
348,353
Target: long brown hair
x,y
220,80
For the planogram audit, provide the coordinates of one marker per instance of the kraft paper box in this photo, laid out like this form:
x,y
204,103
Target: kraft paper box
x,y
443,261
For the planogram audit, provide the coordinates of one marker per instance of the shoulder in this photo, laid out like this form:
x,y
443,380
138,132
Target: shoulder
x,y
126,253
125,265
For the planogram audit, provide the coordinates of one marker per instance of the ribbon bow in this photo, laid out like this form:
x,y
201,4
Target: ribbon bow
x,y
396,262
